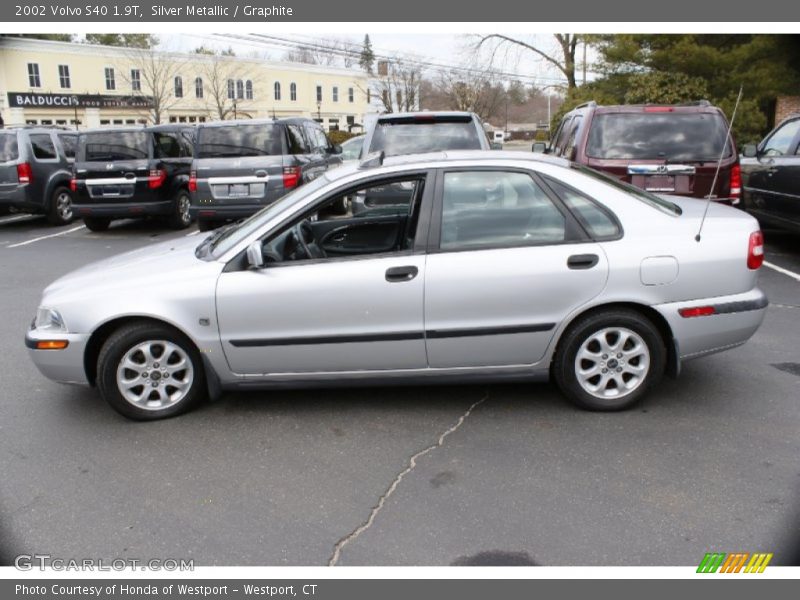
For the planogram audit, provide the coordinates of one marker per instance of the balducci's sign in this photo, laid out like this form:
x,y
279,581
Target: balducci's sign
x,y
33,100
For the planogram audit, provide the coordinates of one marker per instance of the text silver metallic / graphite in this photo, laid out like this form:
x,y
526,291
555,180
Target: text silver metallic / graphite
x,y
219,10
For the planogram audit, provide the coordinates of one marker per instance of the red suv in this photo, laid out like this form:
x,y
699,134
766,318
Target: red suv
x,y
666,149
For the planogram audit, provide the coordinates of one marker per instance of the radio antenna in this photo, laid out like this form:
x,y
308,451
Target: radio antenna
x,y
719,164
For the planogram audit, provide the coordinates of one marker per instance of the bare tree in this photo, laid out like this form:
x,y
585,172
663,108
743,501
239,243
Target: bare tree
x,y
396,84
154,79
564,60
225,87
477,91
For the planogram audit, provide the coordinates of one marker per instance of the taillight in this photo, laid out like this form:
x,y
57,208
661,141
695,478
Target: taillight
x,y
156,178
736,181
291,177
73,185
193,181
24,173
755,250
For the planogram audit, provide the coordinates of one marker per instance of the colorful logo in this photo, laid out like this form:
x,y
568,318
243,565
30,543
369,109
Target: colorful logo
x,y
734,562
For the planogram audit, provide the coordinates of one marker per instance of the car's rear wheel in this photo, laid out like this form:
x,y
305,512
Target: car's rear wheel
x,y
59,211
96,223
148,371
609,360
181,217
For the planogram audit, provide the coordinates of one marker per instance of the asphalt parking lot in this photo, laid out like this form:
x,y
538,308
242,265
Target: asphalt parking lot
x,y
499,474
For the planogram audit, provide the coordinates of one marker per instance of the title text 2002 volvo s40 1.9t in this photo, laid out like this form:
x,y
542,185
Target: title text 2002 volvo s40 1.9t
x,y
497,266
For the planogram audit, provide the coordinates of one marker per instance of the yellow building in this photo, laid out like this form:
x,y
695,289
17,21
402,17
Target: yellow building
x,y
84,85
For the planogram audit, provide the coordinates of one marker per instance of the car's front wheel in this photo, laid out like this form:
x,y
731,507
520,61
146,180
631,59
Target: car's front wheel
x,y
609,360
147,371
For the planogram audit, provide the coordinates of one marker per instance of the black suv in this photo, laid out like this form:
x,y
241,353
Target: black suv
x,y
128,173
242,166
666,149
35,171
771,175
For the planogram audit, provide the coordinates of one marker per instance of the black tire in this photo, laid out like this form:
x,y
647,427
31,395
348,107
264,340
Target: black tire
x,y
59,209
611,368
206,225
121,343
181,218
96,223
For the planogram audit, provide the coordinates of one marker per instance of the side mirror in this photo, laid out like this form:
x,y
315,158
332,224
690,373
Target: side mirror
x,y
539,147
749,151
495,145
336,149
255,255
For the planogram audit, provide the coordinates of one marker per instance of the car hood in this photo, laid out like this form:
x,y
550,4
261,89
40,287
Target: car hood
x,y
137,269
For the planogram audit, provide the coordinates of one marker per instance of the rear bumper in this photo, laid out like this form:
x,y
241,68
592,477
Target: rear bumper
x,y
736,318
125,210
65,366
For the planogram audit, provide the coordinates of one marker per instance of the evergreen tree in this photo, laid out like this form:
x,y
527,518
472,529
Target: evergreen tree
x,y
367,58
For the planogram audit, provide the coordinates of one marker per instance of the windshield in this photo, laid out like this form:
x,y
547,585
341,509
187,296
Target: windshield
x,y
351,149
671,136
231,236
638,193
8,147
239,141
422,136
115,145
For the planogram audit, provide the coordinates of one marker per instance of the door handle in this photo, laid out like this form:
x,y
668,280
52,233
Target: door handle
x,y
261,173
397,274
582,261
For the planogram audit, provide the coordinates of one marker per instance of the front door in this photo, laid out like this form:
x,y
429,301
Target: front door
x,y
340,293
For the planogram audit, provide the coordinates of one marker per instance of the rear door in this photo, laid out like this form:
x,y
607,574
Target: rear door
x,y
510,263
240,164
114,167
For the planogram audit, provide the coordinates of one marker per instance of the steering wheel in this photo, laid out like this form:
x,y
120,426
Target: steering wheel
x,y
299,232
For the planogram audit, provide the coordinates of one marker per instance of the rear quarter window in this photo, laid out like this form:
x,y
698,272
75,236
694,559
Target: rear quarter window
x,y
239,141
70,144
43,146
597,221
9,150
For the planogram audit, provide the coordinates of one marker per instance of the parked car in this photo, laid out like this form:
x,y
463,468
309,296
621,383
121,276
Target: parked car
x,y
502,266
242,166
666,149
771,177
397,134
35,171
125,173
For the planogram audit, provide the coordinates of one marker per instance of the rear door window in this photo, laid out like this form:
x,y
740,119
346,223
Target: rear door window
x,y
116,145
9,150
69,143
418,134
297,139
43,146
497,209
673,136
239,141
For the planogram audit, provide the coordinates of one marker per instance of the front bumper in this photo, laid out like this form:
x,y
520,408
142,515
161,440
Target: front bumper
x,y
65,366
736,318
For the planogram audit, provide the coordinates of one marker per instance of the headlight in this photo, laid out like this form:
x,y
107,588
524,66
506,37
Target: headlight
x,y
48,319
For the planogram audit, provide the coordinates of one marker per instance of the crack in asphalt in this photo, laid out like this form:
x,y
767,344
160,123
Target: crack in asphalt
x,y
412,463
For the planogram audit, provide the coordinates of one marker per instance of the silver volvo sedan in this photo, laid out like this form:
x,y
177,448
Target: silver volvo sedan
x,y
484,266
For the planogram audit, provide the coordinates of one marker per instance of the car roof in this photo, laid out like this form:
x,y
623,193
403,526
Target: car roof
x,y
426,114
237,122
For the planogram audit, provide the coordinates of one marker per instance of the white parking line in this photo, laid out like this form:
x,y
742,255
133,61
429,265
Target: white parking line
x,y
44,237
195,232
18,218
792,274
